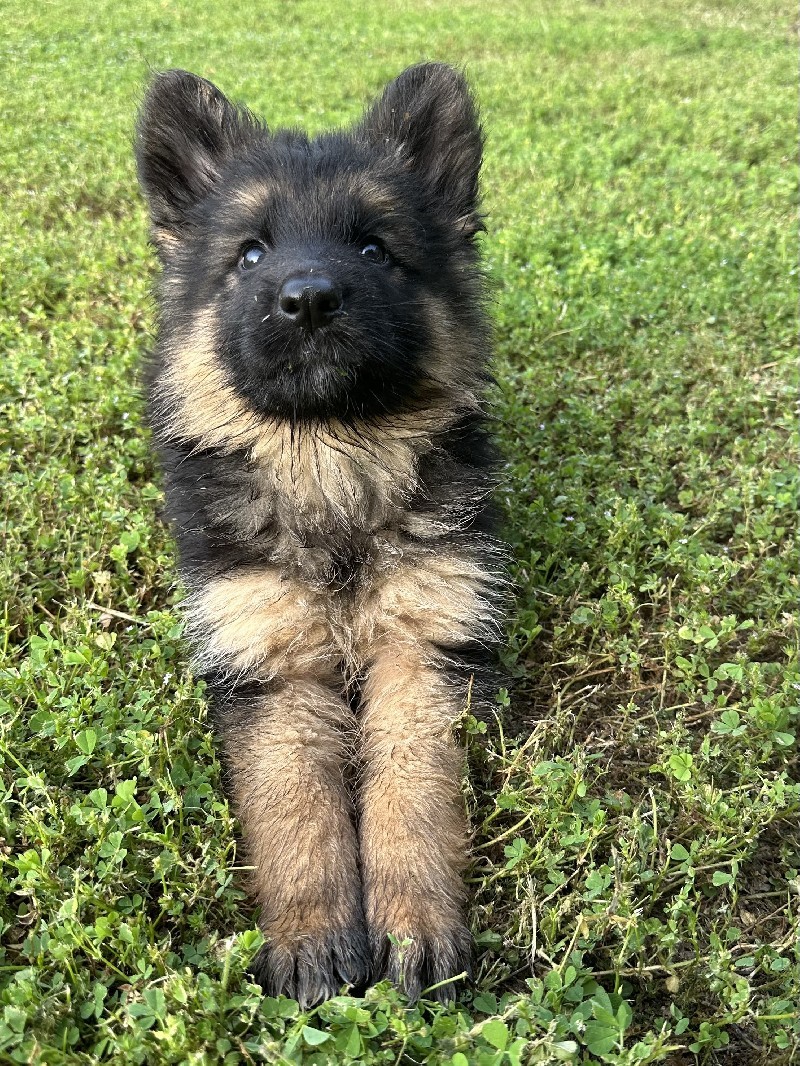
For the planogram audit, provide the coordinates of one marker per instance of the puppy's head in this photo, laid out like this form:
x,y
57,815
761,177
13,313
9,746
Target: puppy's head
x,y
314,279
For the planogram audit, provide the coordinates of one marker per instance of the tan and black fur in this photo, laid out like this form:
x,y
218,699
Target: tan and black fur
x,y
317,399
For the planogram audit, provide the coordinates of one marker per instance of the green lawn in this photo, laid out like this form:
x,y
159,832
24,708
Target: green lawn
x,y
636,880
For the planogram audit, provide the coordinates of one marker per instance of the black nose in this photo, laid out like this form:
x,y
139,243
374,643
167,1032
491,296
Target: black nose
x,y
310,300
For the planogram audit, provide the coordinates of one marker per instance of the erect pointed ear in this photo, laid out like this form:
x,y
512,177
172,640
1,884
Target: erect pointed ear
x,y
186,132
429,114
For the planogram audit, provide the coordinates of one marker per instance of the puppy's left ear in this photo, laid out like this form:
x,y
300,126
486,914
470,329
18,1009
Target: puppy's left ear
x,y
429,115
187,131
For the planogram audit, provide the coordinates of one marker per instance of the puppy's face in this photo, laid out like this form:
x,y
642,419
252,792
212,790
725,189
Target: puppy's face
x,y
331,278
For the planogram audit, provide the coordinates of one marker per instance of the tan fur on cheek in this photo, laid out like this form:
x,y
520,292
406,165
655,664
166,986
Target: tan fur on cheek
x,y
444,364
195,400
261,622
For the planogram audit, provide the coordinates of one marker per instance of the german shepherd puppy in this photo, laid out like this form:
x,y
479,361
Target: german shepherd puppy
x,y
316,396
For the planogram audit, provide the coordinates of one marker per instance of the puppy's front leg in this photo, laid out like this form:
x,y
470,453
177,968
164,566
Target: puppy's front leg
x,y
412,826
265,645
285,752
412,823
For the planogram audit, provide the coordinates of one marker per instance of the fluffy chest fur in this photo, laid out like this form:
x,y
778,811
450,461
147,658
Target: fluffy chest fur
x,y
325,541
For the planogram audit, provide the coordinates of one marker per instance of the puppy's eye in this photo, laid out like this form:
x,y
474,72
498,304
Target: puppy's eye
x,y
252,256
374,251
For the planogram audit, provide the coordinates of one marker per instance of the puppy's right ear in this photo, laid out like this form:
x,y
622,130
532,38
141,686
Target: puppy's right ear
x,y
186,132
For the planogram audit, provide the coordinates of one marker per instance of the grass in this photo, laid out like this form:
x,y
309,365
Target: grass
x,y
635,801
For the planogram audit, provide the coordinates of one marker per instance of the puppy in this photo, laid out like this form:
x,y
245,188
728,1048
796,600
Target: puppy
x,y
316,397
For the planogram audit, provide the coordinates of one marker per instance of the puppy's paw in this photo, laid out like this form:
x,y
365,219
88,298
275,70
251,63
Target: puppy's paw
x,y
416,962
312,968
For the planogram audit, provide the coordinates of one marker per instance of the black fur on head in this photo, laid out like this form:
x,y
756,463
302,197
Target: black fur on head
x,y
332,278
